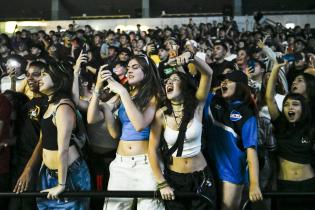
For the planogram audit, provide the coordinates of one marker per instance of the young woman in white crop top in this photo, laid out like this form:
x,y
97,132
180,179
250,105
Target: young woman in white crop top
x,y
187,171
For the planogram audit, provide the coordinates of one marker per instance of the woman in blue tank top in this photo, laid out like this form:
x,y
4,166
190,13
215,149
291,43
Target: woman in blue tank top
x,y
131,169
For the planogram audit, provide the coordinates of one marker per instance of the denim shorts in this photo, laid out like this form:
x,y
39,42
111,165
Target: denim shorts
x,y
78,179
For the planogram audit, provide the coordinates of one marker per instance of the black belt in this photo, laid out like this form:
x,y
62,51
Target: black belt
x,y
52,172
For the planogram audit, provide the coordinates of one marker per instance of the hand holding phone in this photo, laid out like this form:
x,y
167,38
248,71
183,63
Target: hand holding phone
x,y
102,76
251,64
289,57
85,48
280,60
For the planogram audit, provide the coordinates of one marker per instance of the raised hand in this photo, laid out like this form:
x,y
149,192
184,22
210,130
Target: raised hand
x,y
102,76
81,59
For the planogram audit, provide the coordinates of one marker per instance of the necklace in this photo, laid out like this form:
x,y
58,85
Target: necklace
x,y
176,104
178,111
178,123
177,107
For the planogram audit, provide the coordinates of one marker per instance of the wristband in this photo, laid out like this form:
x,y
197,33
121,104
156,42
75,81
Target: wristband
x,y
162,185
96,93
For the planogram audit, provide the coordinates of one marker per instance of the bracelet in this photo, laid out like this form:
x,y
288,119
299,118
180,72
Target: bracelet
x,y
162,185
96,93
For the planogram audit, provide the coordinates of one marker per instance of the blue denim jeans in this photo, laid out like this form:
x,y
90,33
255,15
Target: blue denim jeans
x,y
78,179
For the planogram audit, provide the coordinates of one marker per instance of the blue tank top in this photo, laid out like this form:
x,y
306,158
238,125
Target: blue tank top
x,y
129,133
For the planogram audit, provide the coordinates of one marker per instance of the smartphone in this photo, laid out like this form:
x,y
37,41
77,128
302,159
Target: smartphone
x,y
84,49
280,60
289,57
251,63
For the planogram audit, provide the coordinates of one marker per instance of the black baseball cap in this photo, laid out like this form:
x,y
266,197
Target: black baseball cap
x,y
220,42
235,76
125,50
113,47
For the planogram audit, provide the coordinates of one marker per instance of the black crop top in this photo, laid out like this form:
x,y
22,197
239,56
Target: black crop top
x,y
292,145
49,132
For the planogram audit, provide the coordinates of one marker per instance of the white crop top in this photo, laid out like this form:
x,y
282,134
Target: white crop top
x,y
192,141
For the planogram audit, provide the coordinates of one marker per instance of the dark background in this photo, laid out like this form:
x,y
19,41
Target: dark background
x,y
41,9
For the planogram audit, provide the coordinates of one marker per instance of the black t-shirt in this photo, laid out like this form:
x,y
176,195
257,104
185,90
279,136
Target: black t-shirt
x,y
30,129
165,70
292,144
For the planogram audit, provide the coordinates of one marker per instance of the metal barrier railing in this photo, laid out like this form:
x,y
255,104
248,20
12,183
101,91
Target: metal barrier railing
x,y
278,195
153,194
116,194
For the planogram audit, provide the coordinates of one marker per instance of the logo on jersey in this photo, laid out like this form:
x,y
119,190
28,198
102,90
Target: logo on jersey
x,y
218,107
305,140
235,116
34,113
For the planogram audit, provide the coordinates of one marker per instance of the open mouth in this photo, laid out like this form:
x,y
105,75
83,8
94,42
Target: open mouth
x,y
291,114
224,89
169,89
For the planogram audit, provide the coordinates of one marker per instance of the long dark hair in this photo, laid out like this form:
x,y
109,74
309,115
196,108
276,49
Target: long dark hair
x,y
310,86
310,93
62,78
150,86
188,90
243,94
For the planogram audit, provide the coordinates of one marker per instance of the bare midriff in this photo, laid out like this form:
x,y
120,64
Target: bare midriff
x,y
50,157
189,164
292,171
130,148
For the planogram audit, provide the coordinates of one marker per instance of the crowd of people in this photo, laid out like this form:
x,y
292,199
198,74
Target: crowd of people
x,y
206,109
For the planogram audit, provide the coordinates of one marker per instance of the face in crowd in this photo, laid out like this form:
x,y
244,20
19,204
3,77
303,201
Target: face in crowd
x,y
119,70
292,110
135,73
173,88
123,56
299,85
257,71
163,54
219,52
33,76
123,40
46,84
241,58
228,88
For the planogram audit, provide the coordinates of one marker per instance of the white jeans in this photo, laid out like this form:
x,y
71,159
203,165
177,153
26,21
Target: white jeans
x,y
135,174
